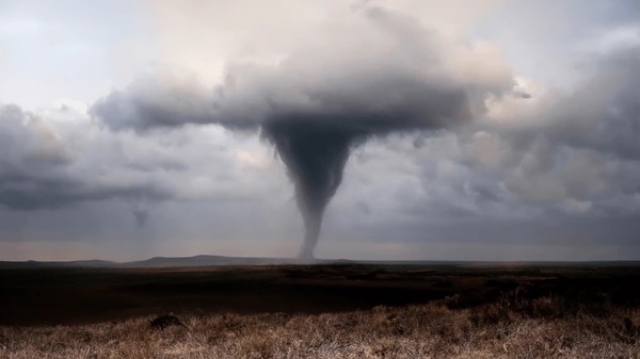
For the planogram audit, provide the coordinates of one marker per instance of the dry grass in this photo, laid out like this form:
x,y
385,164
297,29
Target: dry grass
x,y
545,327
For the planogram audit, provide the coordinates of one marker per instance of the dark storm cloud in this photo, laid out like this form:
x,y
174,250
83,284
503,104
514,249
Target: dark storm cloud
x,y
321,101
30,193
398,78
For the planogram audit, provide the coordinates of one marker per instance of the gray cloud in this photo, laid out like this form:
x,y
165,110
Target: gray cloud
x,y
156,102
61,158
583,145
609,107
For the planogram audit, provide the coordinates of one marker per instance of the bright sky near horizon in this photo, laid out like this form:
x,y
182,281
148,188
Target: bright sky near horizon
x,y
110,147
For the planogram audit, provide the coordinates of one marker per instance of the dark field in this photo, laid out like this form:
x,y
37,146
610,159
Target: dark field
x,y
50,296
323,311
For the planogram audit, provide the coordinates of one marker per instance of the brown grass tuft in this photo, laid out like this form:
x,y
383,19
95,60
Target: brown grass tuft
x,y
536,328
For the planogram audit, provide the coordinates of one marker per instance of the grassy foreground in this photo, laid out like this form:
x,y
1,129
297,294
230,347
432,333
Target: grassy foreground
x,y
511,327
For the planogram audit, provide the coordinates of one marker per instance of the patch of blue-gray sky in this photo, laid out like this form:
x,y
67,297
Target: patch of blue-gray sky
x,y
55,51
546,39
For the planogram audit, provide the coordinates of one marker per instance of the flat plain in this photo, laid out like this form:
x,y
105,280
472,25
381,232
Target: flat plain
x,y
324,311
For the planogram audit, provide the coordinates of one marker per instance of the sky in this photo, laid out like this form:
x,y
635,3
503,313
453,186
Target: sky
x,y
486,129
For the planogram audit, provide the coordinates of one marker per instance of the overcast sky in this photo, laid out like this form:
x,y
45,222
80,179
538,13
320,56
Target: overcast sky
x,y
130,129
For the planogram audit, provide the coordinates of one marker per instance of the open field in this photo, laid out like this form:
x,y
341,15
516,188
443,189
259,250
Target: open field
x,y
325,311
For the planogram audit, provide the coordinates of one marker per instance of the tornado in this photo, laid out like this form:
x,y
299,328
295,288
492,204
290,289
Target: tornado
x,y
315,157
141,217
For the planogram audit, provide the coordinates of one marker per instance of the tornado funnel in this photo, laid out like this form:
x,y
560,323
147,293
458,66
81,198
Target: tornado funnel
x,y
315,157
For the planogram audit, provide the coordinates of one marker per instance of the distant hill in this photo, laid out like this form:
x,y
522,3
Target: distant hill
x,y
212,260
206,260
